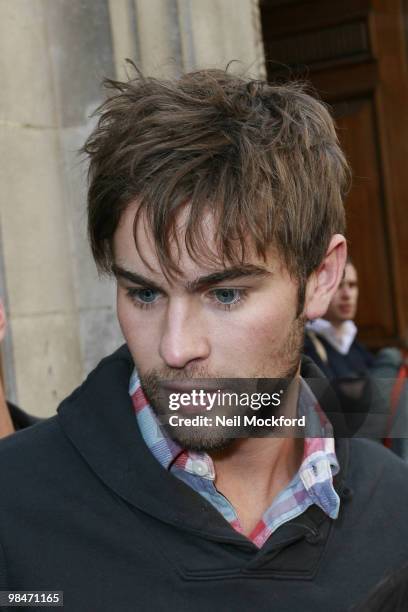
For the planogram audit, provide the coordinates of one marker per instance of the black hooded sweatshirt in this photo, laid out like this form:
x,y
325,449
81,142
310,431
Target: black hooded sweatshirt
x,y
86,509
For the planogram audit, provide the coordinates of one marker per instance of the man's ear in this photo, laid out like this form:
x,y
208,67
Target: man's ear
x,y
323,282
2,321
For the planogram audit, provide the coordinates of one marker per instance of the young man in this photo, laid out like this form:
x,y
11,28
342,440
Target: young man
x,y
331,340
217,204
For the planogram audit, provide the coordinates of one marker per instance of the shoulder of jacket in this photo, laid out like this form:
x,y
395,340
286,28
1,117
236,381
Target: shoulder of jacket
x,y
371,462
19,444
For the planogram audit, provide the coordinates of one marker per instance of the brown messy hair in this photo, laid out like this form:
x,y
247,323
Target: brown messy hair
x,y
263,158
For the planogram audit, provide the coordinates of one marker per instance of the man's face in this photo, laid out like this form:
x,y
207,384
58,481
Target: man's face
x,y
210,322
343,305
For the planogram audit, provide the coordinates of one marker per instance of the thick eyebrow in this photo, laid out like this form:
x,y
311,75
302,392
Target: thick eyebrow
x,y
228,274
137,279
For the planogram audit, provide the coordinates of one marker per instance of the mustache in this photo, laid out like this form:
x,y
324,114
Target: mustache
x,y
169,374
152,379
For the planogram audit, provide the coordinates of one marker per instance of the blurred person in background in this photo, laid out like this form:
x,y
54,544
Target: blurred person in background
x,y
6,423
12,418
390,372
364,384
331,341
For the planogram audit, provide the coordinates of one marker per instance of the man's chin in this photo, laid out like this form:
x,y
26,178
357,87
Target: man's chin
x,y
200,440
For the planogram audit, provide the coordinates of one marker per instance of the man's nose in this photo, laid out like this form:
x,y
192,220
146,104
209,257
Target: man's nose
x,y
184,337
347,292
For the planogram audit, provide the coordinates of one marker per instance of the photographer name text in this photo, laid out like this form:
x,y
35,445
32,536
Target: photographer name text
x,y
238,420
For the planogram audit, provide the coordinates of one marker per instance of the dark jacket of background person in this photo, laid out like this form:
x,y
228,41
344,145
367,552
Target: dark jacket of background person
x,y
335,365
20,418
365,410
96,515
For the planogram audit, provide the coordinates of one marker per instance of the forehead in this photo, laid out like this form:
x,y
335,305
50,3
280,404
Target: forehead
x,y
145,257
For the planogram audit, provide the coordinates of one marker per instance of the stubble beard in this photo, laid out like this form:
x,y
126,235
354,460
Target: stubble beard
x,y
281,366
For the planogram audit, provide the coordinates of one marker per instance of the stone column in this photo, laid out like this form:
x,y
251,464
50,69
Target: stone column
x,y
216,32
42,317
52,56
123,31
176,35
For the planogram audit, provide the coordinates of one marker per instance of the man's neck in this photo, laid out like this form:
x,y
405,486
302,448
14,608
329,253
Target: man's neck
x,y
338,327
6,424
253,471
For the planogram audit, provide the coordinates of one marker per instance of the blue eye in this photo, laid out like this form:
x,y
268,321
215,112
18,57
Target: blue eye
x,y
147,296
227,296
144,297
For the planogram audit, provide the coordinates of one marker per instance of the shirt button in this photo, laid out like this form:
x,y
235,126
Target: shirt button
x,y
200,468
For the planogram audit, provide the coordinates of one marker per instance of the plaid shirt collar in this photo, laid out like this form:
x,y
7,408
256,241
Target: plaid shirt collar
x,y
313,483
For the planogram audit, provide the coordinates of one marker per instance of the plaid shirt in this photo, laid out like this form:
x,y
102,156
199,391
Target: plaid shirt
x,y
312,484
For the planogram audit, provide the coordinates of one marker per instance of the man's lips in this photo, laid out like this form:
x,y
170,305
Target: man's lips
x,y
188,386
